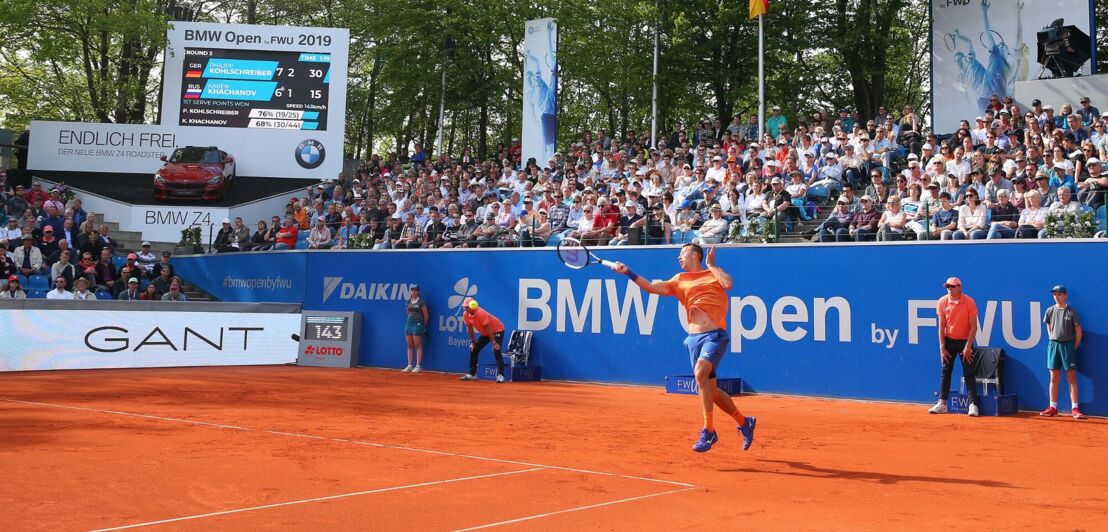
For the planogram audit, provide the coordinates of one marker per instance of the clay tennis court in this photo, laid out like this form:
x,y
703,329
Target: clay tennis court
x,y
285,448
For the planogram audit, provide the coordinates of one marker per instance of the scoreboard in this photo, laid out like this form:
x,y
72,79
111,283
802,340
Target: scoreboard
x,y
272,96
262,89
329,339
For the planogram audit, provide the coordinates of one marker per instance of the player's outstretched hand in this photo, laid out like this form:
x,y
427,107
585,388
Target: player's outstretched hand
x,y
620,268
710,258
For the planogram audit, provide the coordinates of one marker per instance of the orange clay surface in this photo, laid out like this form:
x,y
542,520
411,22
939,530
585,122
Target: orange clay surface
x,y
288,448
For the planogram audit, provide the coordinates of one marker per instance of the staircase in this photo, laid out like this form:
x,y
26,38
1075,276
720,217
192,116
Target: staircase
x,y
131,241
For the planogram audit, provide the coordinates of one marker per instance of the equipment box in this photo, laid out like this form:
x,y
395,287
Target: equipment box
x,y
487,372
686,384
989,405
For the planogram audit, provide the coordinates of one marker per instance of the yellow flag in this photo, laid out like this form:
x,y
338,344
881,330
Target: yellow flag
x,y
758,8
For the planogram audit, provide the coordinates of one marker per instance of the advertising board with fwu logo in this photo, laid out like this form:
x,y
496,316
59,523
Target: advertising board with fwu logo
x,y
250,277
846,321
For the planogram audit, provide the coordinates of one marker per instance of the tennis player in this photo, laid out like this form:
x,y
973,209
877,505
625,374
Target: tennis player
x,y
702,289
490,329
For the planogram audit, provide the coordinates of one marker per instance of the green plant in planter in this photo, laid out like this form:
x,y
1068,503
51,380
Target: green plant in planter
x,y
190,237
753,235
360,241
1070,225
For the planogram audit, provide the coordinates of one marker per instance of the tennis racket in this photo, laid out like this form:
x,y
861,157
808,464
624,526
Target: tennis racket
x,y
575,255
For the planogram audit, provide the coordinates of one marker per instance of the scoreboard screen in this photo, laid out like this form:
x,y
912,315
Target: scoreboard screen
x,y
261,89
332,328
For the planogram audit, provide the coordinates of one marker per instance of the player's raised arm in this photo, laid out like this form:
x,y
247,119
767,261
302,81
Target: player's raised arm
x,y
710,261
660,288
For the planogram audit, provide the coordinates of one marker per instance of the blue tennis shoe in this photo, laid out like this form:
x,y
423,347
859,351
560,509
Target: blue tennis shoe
x,y
747,431
707,439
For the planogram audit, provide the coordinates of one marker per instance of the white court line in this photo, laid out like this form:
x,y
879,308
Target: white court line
x,y
359,442
577,509
318,499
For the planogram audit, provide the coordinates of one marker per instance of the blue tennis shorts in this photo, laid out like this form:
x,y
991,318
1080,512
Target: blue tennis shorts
x,y
1061,355
414,328
709,346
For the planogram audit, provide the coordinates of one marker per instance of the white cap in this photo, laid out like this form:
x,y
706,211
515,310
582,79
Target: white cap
x,y
928,147
226,221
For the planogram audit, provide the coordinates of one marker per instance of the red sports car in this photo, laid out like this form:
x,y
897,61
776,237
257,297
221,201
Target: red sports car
x,y
195,172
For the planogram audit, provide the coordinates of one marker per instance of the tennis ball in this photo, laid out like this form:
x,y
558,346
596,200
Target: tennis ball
x,y
473,304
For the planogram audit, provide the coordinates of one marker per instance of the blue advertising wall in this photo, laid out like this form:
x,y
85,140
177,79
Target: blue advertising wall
x,y
836,320
247,277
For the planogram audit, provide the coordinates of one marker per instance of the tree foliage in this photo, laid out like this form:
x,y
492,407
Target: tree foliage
x,y
99,60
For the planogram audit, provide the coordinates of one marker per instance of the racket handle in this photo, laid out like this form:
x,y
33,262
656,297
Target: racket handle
x,y
608,263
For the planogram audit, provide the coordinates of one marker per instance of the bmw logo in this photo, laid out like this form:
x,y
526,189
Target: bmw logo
x,y
310,154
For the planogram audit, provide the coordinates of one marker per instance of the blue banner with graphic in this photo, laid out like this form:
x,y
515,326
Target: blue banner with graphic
x,y
838,320
247,277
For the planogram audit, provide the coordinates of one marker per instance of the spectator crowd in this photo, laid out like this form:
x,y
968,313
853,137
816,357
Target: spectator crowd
x,y
52,250
999,176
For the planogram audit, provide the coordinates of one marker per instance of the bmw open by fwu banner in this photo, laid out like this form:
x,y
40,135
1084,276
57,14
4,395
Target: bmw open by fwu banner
x,y
981,48
838,320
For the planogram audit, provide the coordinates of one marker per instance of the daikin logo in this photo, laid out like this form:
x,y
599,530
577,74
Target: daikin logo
x,y
329,286
365,291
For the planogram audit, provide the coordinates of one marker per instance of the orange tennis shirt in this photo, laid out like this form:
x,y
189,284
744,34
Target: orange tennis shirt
x,y
700,291
483,322
957,316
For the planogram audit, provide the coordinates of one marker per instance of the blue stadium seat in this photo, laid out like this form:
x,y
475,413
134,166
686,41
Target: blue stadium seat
x,y
38,282
119,261
36,294
143,282
302,236
302,244
1101,219
104,295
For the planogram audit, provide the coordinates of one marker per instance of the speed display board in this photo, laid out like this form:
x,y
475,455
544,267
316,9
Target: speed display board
x,y
255,89
274,97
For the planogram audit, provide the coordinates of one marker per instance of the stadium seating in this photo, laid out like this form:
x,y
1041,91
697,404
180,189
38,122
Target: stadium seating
x,y
119,261
104,294
38,282
36,294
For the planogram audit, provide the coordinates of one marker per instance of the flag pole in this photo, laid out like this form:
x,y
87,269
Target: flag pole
x,y
761,82
654,95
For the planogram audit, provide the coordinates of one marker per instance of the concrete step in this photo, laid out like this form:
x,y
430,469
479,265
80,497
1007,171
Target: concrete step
x,y
194,293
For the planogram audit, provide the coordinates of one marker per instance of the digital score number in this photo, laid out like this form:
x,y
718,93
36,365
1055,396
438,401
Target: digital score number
x,y
255,89
331,328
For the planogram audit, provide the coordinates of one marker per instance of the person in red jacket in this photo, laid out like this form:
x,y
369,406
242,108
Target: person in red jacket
x,y
490,329
286,237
